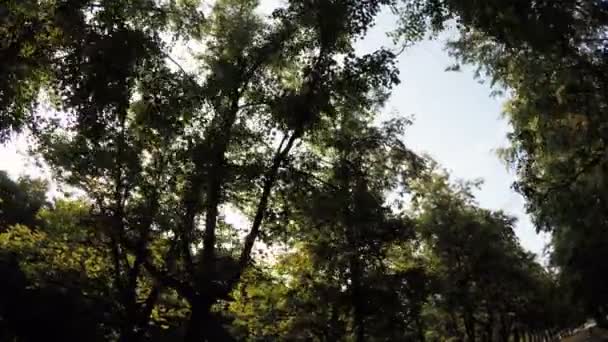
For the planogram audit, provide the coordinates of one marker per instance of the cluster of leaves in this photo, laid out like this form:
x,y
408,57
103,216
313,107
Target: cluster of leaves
x,y
86,53
340,234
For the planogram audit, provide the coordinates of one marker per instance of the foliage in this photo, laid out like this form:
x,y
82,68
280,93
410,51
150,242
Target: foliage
x,y
485,283
341,240
159,151
274,120
20,201
86,53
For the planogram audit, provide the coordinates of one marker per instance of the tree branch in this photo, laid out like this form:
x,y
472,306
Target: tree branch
x,y
271,177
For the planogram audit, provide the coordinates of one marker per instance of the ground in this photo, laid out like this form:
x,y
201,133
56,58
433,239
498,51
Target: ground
x,y
589,335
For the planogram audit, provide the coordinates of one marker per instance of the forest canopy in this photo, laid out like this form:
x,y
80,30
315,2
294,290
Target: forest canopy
x,y
222,174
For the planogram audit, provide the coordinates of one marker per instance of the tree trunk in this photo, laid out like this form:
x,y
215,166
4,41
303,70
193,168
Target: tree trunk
x,y
420,329
194,329
129,331
358,316
452,326
354,263
469,325
131,334
203,325
516,335
505,328
331,331
489,327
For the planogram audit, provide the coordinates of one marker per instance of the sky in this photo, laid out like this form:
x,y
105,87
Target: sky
x,y
456,122
459,124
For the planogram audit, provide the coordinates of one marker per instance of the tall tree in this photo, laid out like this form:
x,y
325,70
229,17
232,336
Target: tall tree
x,y
355,228
161,151
273,120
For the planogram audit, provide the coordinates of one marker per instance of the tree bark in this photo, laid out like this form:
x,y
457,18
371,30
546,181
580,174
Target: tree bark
x,y
356,296
199,313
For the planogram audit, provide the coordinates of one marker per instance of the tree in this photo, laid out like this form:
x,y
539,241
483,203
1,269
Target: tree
x,y
486,286
358,236
273,119
52,271
60,266
51,278
550,57
349,273
160,151
355,229
575,252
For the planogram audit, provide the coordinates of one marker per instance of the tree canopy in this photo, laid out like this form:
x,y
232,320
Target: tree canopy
x,y
235,180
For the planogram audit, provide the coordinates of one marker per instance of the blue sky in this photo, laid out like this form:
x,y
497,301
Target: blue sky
x,y
456,122
460,125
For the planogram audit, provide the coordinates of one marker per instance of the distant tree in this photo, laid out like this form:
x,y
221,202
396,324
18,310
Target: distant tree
x,y
485,283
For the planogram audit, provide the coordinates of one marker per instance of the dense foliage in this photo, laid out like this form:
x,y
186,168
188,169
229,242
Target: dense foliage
x,y
192,132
